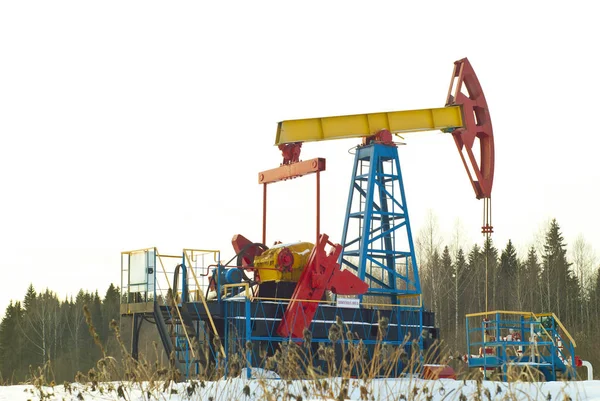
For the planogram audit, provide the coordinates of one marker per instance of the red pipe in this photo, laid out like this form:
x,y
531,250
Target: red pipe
x,y
318,206
264,233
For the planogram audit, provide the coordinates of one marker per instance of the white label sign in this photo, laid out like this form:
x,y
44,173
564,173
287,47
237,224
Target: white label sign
x,y
353,303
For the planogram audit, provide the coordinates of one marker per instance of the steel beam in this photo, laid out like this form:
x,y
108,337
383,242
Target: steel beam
x,y
362,125
288,171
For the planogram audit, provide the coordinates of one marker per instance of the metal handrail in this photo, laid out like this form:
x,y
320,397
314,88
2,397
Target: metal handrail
x,y
175,302
557,320
212,323
315,300
246,286
537,318
205,251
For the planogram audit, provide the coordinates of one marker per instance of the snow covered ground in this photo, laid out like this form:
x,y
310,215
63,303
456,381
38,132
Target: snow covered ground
x,y
269,389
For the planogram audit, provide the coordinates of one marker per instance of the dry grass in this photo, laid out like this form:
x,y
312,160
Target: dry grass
x,y
338,370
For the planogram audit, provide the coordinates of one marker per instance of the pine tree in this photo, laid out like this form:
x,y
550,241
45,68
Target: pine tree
x,y
435,281
11,344
476,267
29,353
110,311
63,361
507,278
555,273
490,260
95,310
462,281
446,291
534,285
30,298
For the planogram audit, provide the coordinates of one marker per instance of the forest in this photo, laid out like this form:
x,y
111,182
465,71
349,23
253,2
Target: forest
x,y
44,331
66,336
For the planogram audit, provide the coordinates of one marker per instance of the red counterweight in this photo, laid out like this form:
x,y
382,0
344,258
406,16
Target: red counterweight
x,y
246,250
321,273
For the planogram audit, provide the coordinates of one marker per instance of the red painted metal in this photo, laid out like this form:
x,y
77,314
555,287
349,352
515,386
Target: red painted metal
x,y
241,243
435,372
477,125
285,260
344,282
384,137
288,171
264,230
318,205
290,152
321,273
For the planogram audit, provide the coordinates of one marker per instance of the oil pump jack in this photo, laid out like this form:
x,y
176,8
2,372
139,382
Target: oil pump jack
x,y
264,297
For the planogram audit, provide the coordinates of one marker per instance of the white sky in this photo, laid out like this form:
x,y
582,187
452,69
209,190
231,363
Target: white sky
x,y
144,123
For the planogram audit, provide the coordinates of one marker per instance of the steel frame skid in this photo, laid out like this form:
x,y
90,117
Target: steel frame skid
x,y
507,342
251,327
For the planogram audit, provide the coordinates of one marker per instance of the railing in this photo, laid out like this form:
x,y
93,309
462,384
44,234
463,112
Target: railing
x,y
499,339
200,262
210,318
175,299
142,284
253,322
556,335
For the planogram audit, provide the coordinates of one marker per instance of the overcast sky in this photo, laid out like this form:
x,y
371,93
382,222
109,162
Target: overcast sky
x,y
129,124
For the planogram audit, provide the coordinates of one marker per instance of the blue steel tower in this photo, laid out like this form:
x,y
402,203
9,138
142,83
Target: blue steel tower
x,y
377,239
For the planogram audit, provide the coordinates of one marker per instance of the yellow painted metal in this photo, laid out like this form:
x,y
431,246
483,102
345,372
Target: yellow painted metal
x,y
191,256
505,312
137,307
269,268
411,296
564,329
137,251
210,318
529,314
361,125
247,292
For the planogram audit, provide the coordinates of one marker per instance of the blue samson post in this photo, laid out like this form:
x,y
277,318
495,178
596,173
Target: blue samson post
x,y
377,239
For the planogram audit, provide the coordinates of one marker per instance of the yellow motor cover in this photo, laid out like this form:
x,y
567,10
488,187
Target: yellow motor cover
x,y
283,262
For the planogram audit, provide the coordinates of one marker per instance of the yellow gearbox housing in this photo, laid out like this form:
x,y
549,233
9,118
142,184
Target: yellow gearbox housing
x,y
283,262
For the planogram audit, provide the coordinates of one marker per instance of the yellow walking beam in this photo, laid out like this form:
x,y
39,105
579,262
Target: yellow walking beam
x,y
361,125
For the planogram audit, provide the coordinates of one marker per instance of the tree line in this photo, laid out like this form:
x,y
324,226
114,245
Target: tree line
x,y
43,331
549,277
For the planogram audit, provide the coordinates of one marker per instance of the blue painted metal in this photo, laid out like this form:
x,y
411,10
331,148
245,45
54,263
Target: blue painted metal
x,y
248,337
251,330
232,276
539,345
377,237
